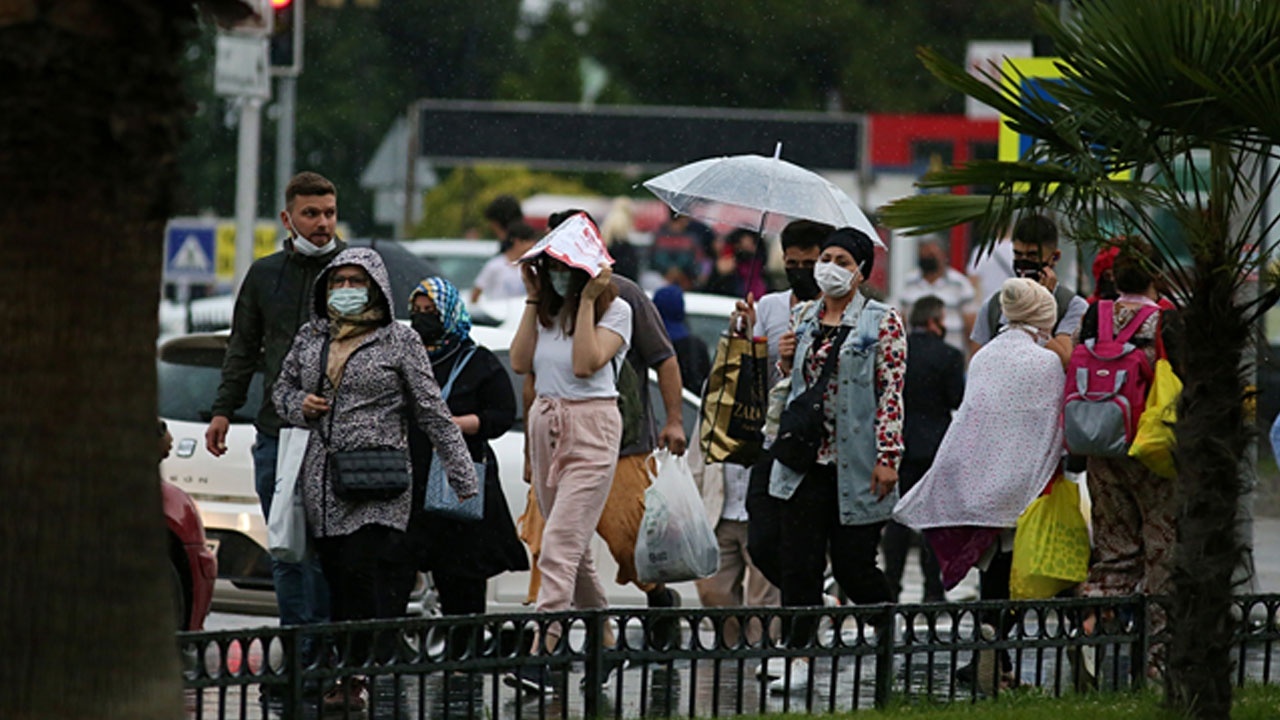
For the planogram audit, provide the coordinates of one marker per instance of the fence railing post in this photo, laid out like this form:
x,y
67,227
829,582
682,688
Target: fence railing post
x,y
593,682
292,646
885,637
1141,643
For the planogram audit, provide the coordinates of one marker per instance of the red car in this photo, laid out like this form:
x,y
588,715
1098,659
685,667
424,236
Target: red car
x,y
193,567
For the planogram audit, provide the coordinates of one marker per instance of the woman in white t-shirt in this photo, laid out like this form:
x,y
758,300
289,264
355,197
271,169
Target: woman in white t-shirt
x,y
574,333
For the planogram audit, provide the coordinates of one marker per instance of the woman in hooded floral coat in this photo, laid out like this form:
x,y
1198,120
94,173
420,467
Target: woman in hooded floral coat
x,y
376,377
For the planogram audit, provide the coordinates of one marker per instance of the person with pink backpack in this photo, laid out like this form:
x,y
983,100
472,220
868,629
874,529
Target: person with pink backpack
x,y
1133,508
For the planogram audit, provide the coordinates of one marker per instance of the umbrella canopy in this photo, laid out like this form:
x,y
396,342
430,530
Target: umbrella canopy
x,y
758,193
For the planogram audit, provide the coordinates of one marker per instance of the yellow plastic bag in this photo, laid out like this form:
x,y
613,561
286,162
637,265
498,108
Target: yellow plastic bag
x,y
1051,546
1153,442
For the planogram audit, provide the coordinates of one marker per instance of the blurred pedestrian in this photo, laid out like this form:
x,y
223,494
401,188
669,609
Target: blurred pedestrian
x,y
680,252
691,351
616,231
461,556
357,378
499,279
932,390
500,213
935,276
856,349
739,268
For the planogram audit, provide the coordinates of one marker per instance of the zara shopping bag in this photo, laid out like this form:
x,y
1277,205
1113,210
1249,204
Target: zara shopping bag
x,y
676,541
440,498
735,400
287,525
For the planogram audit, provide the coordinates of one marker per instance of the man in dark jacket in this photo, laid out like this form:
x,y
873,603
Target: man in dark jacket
x,y
274,301
933,388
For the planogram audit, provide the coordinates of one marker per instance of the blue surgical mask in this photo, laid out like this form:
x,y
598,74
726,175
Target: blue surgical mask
x,y
348,300
560,280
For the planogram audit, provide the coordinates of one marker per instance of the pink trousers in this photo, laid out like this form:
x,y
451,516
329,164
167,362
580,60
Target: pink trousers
x,y
573,449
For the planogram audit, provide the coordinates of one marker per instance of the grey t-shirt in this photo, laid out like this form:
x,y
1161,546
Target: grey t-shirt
x,y
650,347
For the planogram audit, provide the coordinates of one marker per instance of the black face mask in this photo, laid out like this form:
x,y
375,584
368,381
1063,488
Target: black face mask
x,y
1107,289
1029,269
928,265
802,283
742,257
429,327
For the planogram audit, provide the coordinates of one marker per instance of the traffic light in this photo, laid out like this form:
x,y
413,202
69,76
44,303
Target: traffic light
x,y
286,37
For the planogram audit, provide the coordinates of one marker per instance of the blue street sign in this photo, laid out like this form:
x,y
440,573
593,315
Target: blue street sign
x,y
189,251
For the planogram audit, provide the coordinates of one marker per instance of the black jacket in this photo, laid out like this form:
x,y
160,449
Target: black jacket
x,y
471,549
274,301
934,386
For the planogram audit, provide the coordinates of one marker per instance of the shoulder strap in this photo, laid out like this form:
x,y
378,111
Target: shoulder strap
x,y
1135,324
993,314
456,371
1106,321
1062,297
833,357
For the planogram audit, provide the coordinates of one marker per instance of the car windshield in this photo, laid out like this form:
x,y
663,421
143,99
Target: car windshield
x,y
707,328
461,270
188,384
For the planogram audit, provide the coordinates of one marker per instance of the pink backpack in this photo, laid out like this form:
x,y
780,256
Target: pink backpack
x,y
1106,390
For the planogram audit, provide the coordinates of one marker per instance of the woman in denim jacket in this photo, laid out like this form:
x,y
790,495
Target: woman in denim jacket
x,y
839,506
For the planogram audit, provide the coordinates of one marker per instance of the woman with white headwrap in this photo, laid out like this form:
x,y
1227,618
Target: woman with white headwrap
x,y
1001,450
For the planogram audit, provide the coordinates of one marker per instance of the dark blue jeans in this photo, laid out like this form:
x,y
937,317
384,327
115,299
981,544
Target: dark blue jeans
x,y
301,592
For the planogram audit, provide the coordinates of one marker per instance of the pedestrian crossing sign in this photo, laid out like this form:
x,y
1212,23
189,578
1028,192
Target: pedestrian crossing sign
x,y
189,251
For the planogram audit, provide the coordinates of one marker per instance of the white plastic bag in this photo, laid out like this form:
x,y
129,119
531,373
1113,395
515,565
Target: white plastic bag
x,y
287,525
676,541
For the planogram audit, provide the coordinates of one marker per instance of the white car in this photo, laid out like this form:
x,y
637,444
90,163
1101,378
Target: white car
x,y
189,370
459,260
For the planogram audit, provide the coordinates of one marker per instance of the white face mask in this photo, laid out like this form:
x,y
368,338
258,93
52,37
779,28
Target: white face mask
x,y
833,280
305,246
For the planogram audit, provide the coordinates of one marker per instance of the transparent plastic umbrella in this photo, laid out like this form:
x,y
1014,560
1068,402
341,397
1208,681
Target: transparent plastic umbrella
x,y
758,193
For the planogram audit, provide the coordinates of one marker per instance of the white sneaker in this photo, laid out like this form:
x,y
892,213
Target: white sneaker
x,y
798,682
771,668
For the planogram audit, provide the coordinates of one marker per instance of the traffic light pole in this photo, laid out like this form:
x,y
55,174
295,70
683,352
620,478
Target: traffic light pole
x,y
247,184
287,89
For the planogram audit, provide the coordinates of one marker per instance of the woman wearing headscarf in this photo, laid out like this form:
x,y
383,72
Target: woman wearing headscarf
x,y
1001,450
358,379
838,507
461,556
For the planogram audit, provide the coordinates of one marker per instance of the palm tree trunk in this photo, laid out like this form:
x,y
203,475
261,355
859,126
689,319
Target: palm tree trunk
x,y
93,110
1212,438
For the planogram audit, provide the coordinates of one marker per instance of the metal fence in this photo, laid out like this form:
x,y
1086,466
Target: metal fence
x,y
627,663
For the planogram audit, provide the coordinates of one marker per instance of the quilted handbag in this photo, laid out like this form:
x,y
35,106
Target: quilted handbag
x,y
369,474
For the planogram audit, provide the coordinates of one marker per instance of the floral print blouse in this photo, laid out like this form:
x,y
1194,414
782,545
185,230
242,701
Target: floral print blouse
x,y
890,369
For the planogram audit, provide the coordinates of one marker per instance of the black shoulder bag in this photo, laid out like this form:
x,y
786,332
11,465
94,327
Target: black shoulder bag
x,y
800,427
367,474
